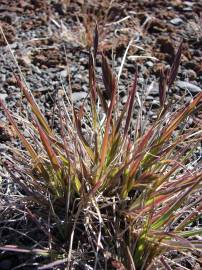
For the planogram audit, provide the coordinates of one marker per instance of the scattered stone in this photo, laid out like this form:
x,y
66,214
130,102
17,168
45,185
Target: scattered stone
x,y
155,103
78,78
150,113
63,73
149,98
124,99
190,86
85,88
191,74
188,3
153,89
176,97
3,78
149,63
3,96
176,21
187,9
77,96
76,87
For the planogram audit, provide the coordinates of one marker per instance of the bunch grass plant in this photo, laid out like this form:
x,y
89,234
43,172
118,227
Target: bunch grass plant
x,y
124,191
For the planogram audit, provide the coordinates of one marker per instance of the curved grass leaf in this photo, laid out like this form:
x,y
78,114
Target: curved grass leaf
x,y
34,106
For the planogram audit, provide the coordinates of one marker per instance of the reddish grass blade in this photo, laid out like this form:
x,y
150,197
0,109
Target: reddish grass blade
x,y
26,144
107,127
85,170
167,202
95,41
92,86
175,66
98,183
137,158
103,101
138,126
81,112
181,245
137,155
118,176
108,77
147,178
165,216
96,151
92,79
179,117
89,36
137,204
179,240
120,119
132,97
33,105
115,143
83,140
162,88
190,218
47,145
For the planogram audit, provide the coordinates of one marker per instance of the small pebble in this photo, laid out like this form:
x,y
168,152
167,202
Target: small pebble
x,y
176,21
124,100
63,73
149,98
191,74
188,3
149,63
77,96
155,103
3,96
153,89
187,9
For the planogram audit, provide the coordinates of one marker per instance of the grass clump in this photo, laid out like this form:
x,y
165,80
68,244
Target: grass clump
x,y
110,196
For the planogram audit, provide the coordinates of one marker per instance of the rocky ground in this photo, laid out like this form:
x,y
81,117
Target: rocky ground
x,y
50,39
